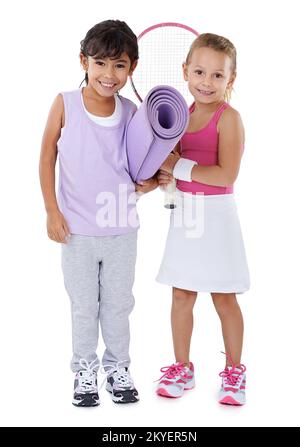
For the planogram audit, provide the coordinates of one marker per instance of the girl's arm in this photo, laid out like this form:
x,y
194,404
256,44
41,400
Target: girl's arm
x,y
160,178
163,176
147,185
177,148
49,154
231,141
56,225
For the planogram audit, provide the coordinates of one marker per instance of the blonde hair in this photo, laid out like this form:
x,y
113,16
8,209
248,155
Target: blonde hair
x,y
217,43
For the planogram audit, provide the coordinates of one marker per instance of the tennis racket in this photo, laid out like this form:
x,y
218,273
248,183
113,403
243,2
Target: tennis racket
x,y
162,50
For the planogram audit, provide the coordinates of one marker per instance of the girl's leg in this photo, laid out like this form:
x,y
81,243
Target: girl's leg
x,y
81,271
182,322
116,297
232,325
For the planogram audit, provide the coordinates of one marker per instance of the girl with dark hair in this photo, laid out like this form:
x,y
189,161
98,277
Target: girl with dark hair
x,y
95,215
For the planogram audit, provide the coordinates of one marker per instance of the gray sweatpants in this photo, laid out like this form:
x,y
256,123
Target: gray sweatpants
x,y
98,275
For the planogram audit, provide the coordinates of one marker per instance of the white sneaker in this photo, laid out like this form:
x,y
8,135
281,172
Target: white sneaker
x,y
121,386
176,379
85,385
233,386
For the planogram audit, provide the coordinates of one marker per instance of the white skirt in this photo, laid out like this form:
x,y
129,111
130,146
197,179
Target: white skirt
x,y
204,249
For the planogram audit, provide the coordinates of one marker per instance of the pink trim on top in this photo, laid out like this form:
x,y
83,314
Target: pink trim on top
x,y
214,119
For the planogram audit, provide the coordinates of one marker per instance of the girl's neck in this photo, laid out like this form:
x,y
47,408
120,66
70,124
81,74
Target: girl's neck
x,y
96,104
207,108
89,93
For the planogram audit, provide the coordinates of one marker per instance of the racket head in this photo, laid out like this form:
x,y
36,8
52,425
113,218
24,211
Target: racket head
x,y
162,48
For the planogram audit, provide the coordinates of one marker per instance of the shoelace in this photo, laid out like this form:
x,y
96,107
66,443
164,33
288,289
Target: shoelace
x,y
232,375
88,375
170,372
120,375
87,379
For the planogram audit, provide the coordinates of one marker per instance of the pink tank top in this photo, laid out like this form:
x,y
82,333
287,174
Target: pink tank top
x,y
202,146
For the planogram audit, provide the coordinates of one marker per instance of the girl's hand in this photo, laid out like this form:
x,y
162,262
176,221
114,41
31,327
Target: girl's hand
x,y
170,162
146,185
57,227
164,178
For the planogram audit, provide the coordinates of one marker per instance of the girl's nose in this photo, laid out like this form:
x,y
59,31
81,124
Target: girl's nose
x,y
109,72
206,81
207,78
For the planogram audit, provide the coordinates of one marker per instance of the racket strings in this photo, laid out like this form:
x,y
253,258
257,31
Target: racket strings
x,y
162,52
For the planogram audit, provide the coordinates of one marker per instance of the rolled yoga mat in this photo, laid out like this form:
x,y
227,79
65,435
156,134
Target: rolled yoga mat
x,y
154,130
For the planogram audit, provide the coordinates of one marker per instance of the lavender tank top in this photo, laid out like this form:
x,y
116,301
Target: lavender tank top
x,y
95,193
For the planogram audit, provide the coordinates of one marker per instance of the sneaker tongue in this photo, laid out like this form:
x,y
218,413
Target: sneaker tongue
x,y
84,372
181,365
120,371
235,368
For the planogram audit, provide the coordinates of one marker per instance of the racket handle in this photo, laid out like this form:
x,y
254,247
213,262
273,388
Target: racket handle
x,y
170,195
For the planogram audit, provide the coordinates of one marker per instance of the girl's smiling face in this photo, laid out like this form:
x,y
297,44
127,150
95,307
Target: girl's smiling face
x,y
107,76
209,74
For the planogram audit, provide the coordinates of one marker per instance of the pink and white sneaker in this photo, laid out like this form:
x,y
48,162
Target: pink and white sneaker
x,y
175,380
233,386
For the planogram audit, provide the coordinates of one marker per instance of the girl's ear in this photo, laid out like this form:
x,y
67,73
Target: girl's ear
x,y
133,67
185,71
231,81
229,88
84,61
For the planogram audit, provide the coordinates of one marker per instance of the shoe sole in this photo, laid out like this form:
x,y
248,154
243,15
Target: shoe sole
x,y
228,400
117,400
86,402
164,393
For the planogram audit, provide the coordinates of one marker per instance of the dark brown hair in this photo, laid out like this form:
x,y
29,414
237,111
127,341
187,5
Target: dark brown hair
x,y
110,39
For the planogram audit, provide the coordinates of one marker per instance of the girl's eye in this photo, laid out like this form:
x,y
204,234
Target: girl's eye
x,y
219,76
199,72
120,66
100,63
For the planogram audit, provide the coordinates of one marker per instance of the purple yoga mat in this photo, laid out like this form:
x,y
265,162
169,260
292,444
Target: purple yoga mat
x,y
154,130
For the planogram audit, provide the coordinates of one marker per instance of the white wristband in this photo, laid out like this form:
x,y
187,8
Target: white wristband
x,y
183,169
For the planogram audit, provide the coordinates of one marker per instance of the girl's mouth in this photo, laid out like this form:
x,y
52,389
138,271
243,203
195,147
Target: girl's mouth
x,y
205,93
108,85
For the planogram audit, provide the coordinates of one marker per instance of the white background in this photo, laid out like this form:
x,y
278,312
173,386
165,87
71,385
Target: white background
x,y
39,49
